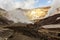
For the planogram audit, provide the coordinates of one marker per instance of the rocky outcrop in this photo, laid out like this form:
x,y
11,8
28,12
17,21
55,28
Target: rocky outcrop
x,y
34,31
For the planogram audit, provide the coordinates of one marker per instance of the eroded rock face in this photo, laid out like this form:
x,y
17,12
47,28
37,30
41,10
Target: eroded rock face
x,y
17,15
3,19
5,33
29,31
2,12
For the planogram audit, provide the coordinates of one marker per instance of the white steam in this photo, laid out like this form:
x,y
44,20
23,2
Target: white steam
x,y
7,4
55,4
12,4
18,16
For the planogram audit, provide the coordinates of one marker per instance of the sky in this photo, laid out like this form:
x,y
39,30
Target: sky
x,y
25,4
42,3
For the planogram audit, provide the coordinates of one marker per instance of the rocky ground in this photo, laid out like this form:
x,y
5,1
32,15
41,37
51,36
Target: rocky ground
x,y
30,31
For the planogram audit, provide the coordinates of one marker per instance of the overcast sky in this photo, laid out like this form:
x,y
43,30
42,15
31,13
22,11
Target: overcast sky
x,y
11,4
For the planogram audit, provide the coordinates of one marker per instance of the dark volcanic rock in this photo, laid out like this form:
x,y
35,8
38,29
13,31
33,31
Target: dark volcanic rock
x,y
30,31
5,33
20,36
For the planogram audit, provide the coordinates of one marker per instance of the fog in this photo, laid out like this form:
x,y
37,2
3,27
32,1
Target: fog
x,y
18,16
13,4
54,5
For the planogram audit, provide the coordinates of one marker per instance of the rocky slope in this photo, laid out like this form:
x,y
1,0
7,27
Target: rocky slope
x,y
25,31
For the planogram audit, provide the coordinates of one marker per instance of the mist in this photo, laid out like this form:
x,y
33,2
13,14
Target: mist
x,y
54,5
18,16
13,4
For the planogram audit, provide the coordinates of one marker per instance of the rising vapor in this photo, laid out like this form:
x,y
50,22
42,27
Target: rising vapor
x,y
17,15
55,4
12,4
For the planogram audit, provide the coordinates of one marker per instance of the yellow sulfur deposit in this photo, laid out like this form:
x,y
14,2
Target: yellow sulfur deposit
x,y
37,13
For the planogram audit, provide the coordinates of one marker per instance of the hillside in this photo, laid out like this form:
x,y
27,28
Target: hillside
x,y
22,27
